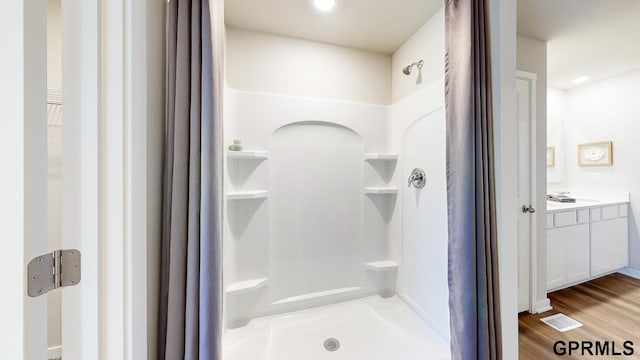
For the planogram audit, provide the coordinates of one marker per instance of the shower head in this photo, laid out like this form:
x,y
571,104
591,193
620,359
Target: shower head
x,y
407,70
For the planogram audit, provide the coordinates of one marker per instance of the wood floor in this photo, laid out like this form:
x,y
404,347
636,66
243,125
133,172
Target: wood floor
x,y
608,307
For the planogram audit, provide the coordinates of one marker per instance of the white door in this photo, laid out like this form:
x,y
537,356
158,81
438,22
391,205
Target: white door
x,y
23,190
23,218
525,91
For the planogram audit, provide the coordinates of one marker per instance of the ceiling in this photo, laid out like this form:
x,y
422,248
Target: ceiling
x,y
595,38
375,25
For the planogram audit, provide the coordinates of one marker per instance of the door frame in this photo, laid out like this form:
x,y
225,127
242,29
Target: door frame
x,y
132,75
532,79
125,97
81,206
119,88
133,36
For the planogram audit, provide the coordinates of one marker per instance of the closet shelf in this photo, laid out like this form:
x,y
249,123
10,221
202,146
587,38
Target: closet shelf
x,y
385,157
380,190
248,154
382,265
243,287
248,195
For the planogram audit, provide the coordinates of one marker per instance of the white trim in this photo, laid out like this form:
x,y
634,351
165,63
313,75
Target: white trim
x,y
114,212
541,306
81,337
503,53
630,272
132,85
534,304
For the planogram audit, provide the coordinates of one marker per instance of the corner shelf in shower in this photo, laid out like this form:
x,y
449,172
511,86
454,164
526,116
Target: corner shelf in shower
x,y
248,154
243,287
383,265
381,157
248,195
380,190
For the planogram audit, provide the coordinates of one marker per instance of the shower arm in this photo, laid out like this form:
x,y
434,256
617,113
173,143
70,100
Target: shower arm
x,y
419,64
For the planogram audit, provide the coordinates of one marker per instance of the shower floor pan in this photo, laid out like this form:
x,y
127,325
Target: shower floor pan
x,y
371,328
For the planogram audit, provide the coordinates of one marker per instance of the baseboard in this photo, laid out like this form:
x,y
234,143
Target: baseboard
x,y
542,306
54,352
630,272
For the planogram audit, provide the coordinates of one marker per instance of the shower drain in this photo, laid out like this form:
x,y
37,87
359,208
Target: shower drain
x,y
331,344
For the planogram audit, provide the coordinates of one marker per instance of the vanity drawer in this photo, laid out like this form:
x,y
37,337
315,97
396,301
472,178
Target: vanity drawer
x,y
609,212
565,218
549,221
583,216
624,210
596,214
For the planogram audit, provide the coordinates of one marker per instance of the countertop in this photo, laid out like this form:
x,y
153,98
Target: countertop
x,y
587,198
553,206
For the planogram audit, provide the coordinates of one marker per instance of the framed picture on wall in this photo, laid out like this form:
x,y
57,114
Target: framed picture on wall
x,y
595,154
551,156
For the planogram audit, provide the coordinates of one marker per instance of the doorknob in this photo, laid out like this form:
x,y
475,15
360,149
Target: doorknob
x,y
528,209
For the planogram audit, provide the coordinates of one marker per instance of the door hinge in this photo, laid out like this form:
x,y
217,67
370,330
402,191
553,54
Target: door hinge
x,y
53,270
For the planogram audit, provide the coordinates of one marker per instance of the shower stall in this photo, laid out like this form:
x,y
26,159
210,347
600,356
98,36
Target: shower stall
x,y
335,216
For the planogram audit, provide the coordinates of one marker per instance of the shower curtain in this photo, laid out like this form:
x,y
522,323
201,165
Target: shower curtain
x,y
474,301
191,275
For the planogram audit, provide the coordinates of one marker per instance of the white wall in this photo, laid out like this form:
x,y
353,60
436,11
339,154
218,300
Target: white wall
x,y
427,44
608,110
531,56
274,64
555,135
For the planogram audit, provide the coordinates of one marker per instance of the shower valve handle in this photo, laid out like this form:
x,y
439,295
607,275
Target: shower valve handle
x,y
418,178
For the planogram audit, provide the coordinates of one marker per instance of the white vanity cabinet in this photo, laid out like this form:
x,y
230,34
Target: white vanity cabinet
x,y
585,243
609,245
567,255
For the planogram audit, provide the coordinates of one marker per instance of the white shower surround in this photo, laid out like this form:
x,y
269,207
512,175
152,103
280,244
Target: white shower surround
x,y
268,260
419,132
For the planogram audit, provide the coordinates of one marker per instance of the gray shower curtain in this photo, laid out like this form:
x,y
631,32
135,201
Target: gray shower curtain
x,y
191,267
474,301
